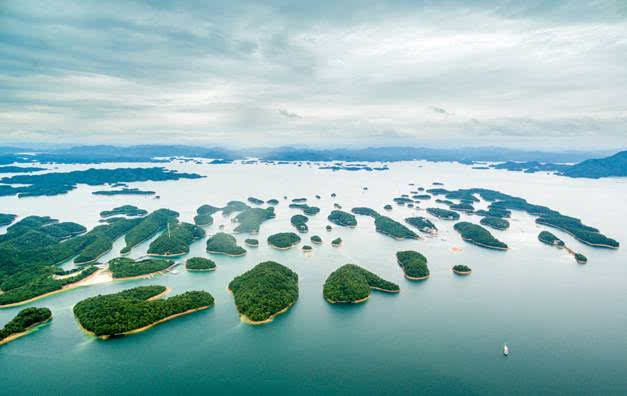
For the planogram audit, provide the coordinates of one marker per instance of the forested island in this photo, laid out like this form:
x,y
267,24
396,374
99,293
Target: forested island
x,y
124,210
272,201
342,218
307,248
351,284
495,222
414,264
550,239
264,292
256,201
251,242
23,323
222,243
479,236
501,205
124,191
134,310
55,183
316,239
386,225
336,242
443,214
283,240
200,264
580,258
423,224
124,267
175,240
461,269
20,169
148,226
300,222
250,219
308,210
387,207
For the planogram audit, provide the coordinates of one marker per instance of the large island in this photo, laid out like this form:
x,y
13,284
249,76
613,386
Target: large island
x,y
135,310
479,236
351,284
264,292
413,264
25,322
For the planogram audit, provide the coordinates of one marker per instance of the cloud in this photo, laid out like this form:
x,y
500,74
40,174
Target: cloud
x,y
518,73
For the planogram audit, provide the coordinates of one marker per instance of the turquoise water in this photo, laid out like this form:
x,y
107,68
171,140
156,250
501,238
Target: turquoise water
x,y
564,322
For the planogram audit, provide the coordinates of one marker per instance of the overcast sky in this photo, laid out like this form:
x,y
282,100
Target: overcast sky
x,y
530,73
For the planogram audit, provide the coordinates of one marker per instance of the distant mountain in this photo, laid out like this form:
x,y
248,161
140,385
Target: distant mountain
x,y
616,165
463,155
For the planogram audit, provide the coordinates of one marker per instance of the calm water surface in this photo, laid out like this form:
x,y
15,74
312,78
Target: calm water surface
x,y
565,323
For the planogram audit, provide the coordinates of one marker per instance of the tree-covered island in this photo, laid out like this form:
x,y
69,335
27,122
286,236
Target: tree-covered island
x,y
414,264
351,284
25,322
308,210
125,210
423,224
124,267
222,243
200,264
461,269
316,239
479,236
336,242
175,240
300,222
264,292
495,222
148,226
443,214
134,310
283,240
342,218
250,219
550,239
251,242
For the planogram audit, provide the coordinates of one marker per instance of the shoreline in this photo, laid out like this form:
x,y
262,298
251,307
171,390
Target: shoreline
x,y
226,254
62,289
163,293
577,238
142,276
283,248
462,273
93,260
348,302
166,255
27,331
202,270
484,245
144,328
417,278
247,320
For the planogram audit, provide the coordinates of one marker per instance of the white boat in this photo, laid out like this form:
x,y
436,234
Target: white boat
x,y
505,350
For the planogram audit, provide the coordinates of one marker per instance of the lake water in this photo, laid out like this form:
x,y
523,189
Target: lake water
x,y
565,323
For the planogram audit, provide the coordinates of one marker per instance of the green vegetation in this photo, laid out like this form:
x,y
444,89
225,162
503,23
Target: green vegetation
x,y
478,235
104,235
39,285
124,191
443,214
365,212
176,240
127,210
581,259
20,169
203,220
222,243
351,284
6,219
423,224
462,207
308,210
421,196
298,200
124,267
461,269
255,201
250,219
252,242
207,210
393,228
583,233
272,201
283,240
495,222
307,248
328,228
25,320
494,212
316,239
550,239
147,227
402,200
413,264
387,207
336,242
265,291
234,206
342,218
132,309
200,264
300,222
59,183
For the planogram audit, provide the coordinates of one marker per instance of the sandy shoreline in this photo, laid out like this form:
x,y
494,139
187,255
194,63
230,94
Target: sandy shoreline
x,y
348,302
140,329
226,254
283,248
462,273
417,278
246,319
484,245
82,282
29,330
145,276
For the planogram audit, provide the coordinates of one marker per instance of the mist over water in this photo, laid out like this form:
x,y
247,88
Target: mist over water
x,y
564,322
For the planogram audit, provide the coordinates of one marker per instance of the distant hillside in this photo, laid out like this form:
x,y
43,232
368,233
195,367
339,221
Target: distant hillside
x,y
616,165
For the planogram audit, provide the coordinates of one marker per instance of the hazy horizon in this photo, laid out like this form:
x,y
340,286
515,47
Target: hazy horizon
x,y
539,75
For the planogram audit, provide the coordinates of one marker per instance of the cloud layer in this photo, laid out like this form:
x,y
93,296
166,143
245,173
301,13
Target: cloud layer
x,y
541,74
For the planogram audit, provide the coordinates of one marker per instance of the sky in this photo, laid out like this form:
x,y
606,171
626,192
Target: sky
x,y
529,74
